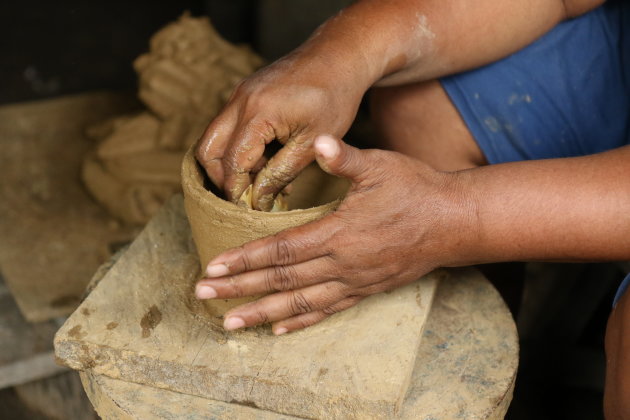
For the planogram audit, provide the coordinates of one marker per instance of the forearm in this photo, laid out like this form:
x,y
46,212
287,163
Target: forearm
x,y
575,209
402,41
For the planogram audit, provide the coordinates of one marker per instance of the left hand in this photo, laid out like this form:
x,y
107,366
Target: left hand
x,y
399,220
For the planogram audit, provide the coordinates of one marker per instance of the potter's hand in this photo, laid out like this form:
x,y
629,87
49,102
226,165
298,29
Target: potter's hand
x,y
291,101
317,88
390,230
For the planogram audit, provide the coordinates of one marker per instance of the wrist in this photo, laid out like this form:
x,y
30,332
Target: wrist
x,y
368,41
459,232
334,65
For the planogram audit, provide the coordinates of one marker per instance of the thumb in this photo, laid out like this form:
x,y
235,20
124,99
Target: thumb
x,y
337,158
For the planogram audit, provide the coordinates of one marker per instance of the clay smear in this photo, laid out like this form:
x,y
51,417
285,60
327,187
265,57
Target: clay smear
x,y
279,203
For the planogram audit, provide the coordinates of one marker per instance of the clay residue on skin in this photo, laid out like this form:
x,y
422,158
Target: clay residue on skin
x,y
112,325
423,31
420,45
422,37
246,201
150,320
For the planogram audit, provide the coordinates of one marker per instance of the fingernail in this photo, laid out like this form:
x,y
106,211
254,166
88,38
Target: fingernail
x,y
280,331
326,146
217,270
233,323
205,292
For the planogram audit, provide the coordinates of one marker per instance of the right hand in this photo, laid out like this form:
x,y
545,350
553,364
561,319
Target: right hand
x,y
292,100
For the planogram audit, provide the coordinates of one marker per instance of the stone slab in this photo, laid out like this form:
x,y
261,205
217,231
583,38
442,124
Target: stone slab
x,y
53,236
141,324
148,403
465,367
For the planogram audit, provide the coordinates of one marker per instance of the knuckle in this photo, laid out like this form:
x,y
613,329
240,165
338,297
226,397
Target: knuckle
x,y
261,317
378,162
279,175
240,86
304,323
284,277
298,304
373,289
342,305
237,289
204,157
331,310
269,280
240,91
283,251
200,154
244,259
230,161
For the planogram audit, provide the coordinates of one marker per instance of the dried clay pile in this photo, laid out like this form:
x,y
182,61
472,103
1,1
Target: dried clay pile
x,y
185,79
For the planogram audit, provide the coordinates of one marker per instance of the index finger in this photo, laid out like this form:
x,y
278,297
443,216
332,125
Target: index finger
x,y
288,247
211,146
244,151
281,169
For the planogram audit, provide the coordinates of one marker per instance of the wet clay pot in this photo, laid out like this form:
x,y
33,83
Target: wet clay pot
x,y
218,225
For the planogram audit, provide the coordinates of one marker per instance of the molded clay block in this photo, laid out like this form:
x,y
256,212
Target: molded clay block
x,y
184,80
218,225
140,325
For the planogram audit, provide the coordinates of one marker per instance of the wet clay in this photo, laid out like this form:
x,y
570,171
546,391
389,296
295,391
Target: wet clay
x,y
184,80
218,225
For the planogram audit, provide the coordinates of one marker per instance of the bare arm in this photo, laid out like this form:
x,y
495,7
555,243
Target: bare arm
x,y
574,209
318,87
403,41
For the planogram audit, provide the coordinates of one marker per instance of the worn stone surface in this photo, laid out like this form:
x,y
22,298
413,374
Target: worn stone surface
x,y
467,361
114,399
53,236
139,324
465,367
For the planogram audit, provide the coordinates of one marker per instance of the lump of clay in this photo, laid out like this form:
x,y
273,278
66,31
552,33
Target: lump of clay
x,y
184,80
279,204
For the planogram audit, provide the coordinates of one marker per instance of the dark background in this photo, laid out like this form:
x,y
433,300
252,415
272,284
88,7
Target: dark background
x,y
52,48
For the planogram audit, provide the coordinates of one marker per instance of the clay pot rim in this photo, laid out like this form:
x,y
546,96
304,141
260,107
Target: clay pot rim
x,y
192,183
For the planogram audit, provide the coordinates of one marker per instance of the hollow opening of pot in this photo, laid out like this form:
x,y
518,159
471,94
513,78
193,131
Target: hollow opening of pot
x,y
313,187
